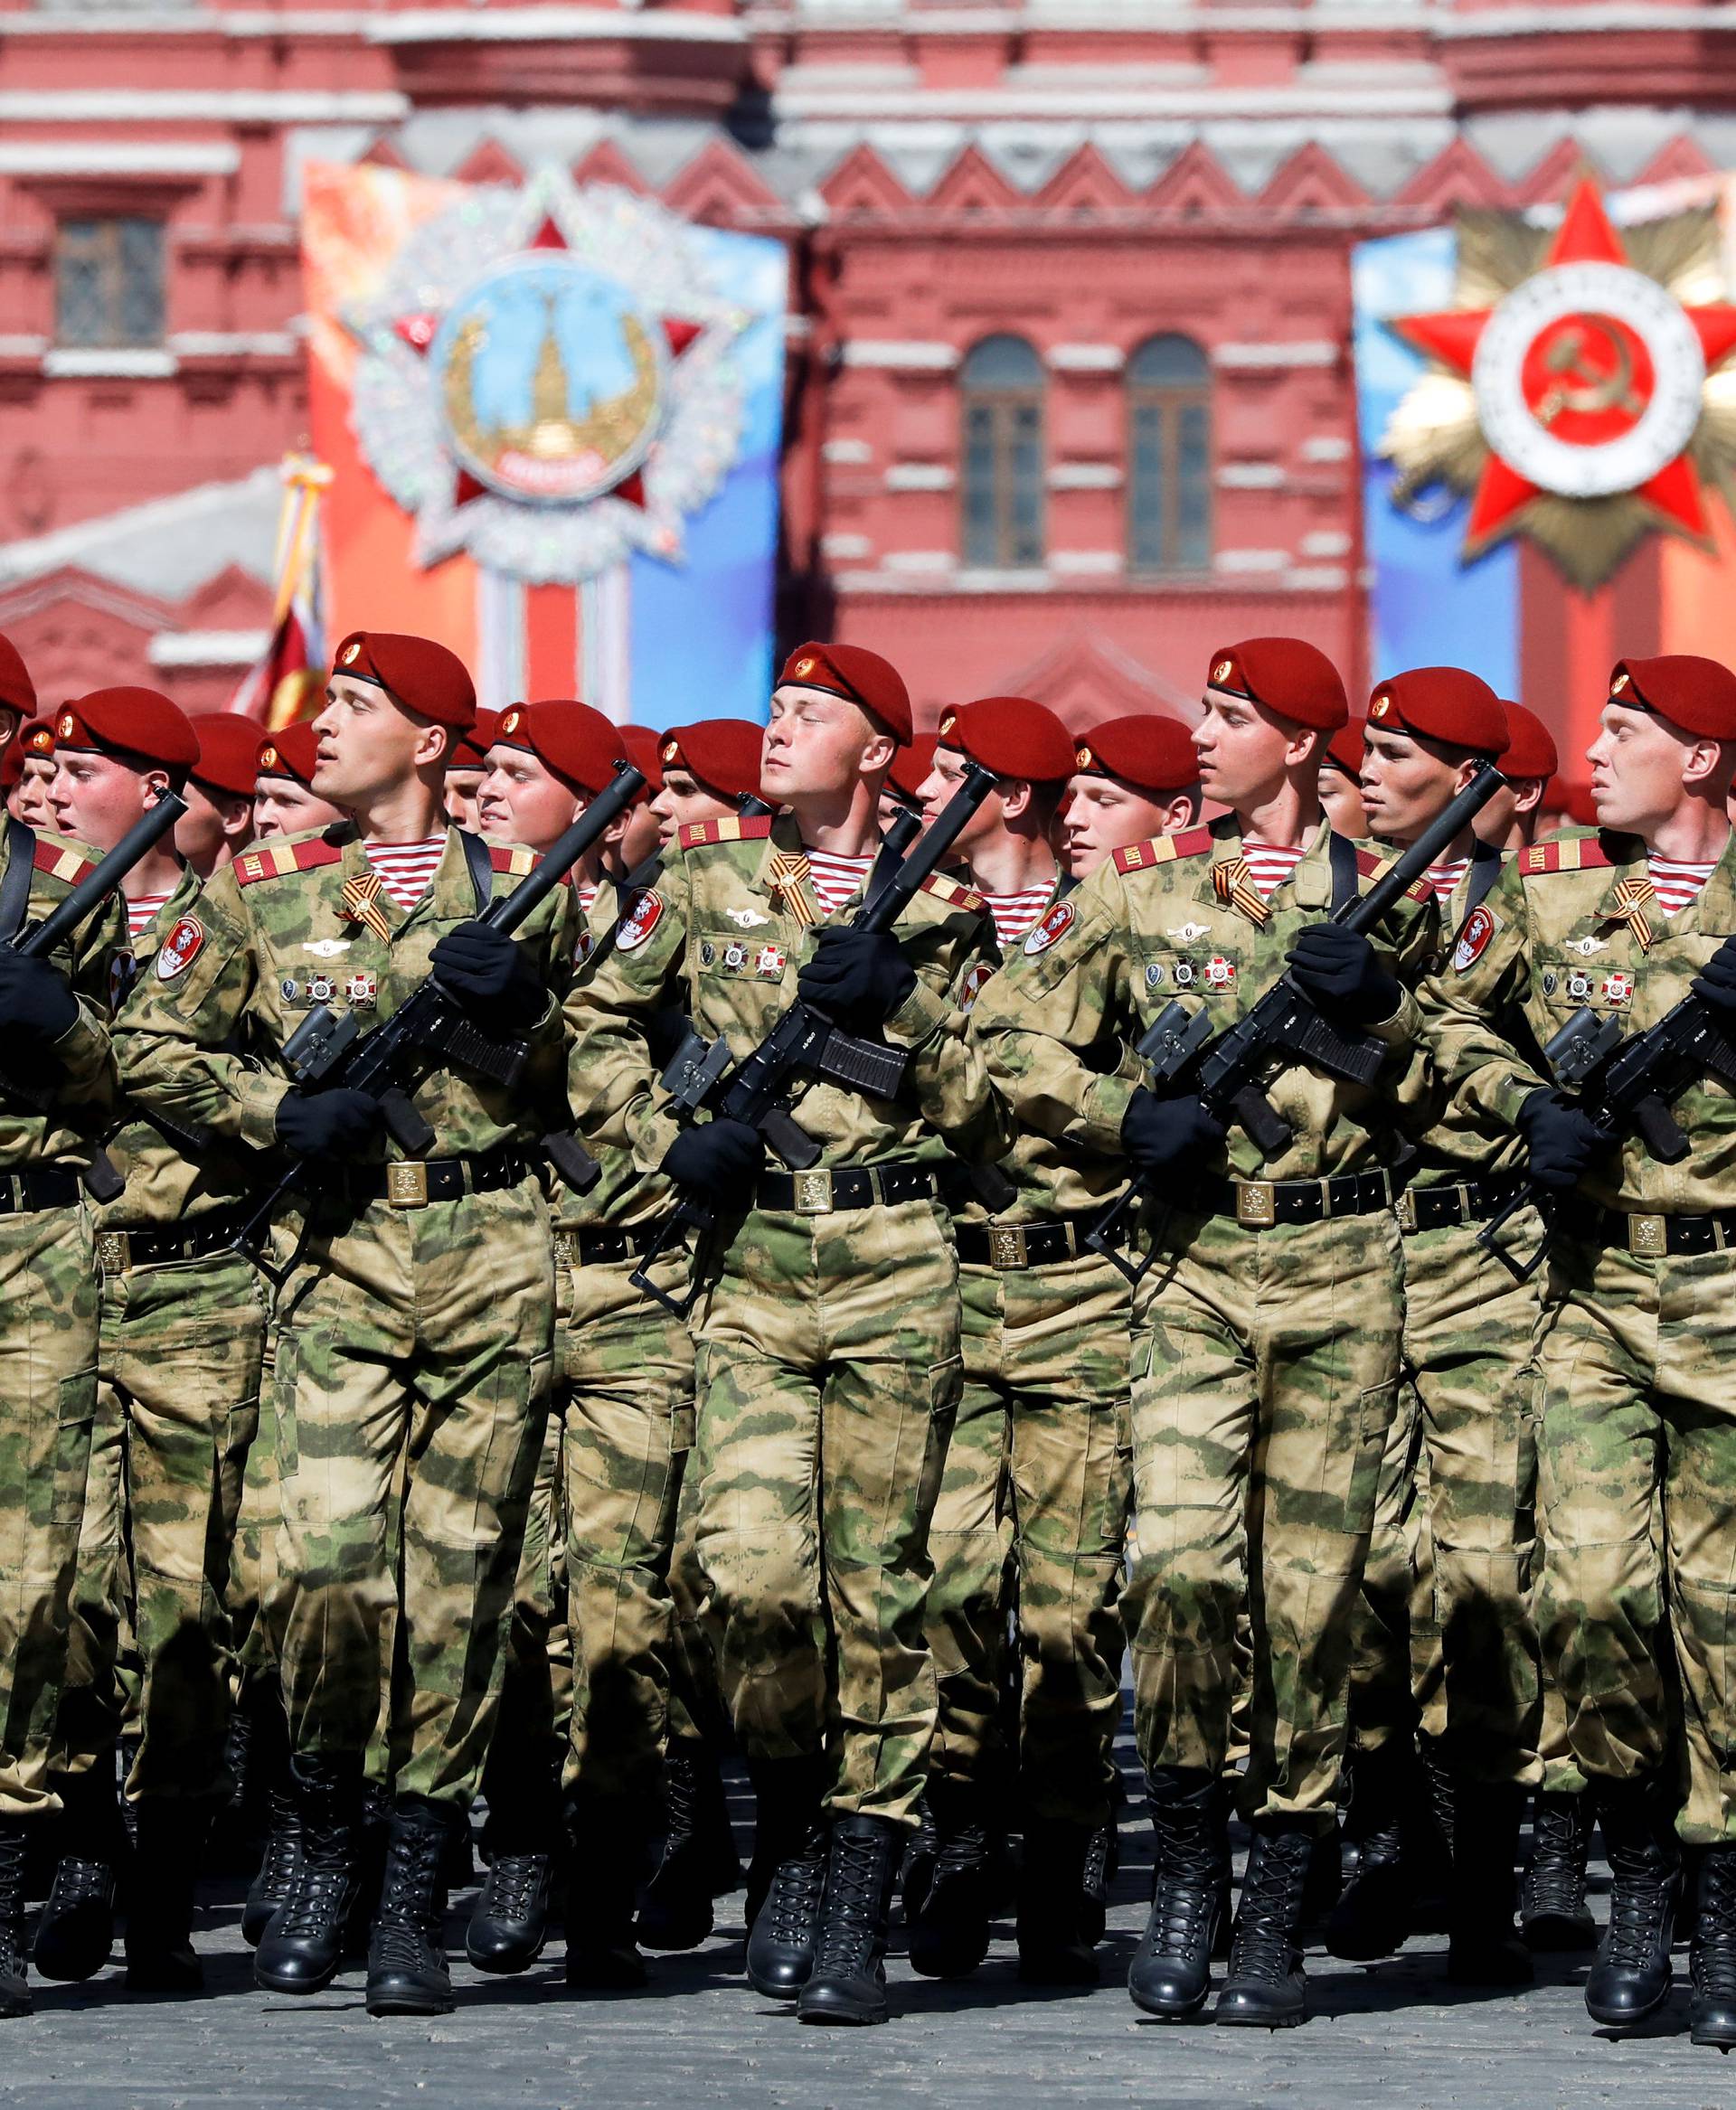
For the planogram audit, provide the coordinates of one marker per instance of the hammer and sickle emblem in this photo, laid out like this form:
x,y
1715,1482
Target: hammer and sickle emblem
x,y
1583,386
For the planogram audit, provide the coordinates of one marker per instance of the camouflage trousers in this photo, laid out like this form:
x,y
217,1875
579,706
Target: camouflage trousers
x,y
1638,1475
1265,1373
179,1356
412,1378
528,1741
1040,1460
1446,1626
828,1376
48,1396
256,1592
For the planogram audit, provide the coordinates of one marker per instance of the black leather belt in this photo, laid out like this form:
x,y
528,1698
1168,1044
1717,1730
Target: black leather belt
x,y
1258,1204
819,1192
413,1183
22,1193
120,1251
1024,1245
1423,1209
605,1248
1642,1234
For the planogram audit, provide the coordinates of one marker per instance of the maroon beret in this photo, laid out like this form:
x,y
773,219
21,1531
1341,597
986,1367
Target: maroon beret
x,y
1344,749
1442,703
1531,749
471,751
722,753
572,742
291,751
12,764
1697,695
229,751
1012,736
644,749
1146,752
134,723
37,740
17,690
423,676
1287,675
852,671
1579,806
912,768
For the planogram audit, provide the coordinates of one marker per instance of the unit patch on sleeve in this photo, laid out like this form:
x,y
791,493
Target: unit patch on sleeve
x,y
179,948
1056,924
1479,926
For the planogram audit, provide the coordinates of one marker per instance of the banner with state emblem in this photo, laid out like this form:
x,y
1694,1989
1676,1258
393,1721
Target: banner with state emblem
x,y
1547,411
553,418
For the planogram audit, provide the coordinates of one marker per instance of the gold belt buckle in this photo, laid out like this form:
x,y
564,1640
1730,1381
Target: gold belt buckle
x,y
814,1193
1256,1203
112,1255
1406,1209
1006,1245
1648,1234
407,1183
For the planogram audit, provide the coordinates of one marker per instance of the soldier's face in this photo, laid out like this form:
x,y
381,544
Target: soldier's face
x,y
640,834
1246,752
462,786
1103,815
368,744
29,802
1406,782
97,798
283,806
522,801
683,799
1637,763
819,746
937,788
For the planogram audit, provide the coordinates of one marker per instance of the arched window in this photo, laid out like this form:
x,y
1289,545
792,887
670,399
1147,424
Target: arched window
x,y
1001,385
1169,457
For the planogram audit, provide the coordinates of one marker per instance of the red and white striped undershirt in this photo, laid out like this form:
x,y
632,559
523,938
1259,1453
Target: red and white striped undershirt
x,y
1676,884
1270,864
1016,914
1444,878
140,911
407,869
587,894
834,879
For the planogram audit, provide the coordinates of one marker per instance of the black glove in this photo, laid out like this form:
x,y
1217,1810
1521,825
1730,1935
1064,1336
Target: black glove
x,y
1164,1136
1338,969
719,1161
1715,983
34,999
858,977
340,1123
489,975
1559,1140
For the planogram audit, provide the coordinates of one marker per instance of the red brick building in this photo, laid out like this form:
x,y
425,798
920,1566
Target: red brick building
x,y
1070,397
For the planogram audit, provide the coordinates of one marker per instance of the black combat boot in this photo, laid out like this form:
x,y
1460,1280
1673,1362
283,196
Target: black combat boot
x,y
1484,1947
372,1835
302,1948
509,1922
1171,1974
848,1981
1712,1962
788,1875
15,1851
676,1913
169,1846
917,1865
1630,1978
949,1937
1054,1948
76,1929
607,1860
277,1871
407,1973
1102,1860
1553,1910
1262,1988
1373,1914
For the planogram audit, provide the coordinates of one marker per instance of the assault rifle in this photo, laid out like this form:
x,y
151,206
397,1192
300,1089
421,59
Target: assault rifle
x,y
756,1089
429,1030
1228,1071
1625,1084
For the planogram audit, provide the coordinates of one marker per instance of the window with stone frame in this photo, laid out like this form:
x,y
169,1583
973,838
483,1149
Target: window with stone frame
x,y
1000,386
108,292
1169,457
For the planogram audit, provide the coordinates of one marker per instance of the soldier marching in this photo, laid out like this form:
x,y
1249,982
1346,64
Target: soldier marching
x,y
1262,1213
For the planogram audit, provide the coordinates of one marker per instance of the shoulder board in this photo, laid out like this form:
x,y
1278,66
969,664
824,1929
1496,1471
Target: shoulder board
x,y
1371,864
733,828
953,894
61,860
278,860
1565,853
513,861
1164,850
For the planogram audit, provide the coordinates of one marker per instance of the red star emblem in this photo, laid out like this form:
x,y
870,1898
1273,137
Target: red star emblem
x,y
1587,378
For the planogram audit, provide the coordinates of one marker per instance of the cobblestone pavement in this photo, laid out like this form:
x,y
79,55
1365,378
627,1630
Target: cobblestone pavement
x,y
1391,2034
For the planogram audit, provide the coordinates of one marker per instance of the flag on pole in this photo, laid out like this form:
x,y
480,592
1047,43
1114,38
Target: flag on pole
x,y
285,681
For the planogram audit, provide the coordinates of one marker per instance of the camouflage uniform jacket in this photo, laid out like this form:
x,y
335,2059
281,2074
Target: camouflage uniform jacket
x,y
292,925
1559,935
1159,920
719,931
